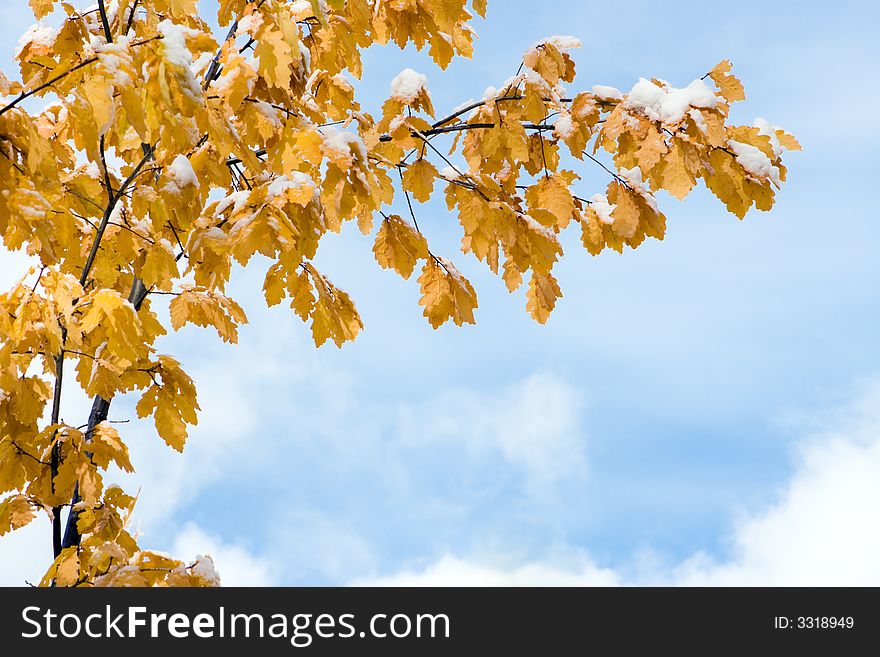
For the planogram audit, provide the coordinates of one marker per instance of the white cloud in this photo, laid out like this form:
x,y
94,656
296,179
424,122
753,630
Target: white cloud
x,y
452,571
315,546
820,532
823,529
534,424
235,564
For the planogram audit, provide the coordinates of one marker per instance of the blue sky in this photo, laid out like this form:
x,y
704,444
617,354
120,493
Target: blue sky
x,y
704,409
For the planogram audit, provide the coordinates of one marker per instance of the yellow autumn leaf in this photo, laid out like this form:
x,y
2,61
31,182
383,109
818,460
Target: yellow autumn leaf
x,y
171,400
333,313
65,570
788,141
626,211
274,53
673,173
299,286
512,276
15,512
551,193
204,307
592,234
446,294
183,8
419,179
157,266
107,446
542,294
729,86
726,181
42,8
399,246
651,149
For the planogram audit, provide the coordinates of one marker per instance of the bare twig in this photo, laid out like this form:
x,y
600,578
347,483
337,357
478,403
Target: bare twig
x,y
37,282
618,178
408,201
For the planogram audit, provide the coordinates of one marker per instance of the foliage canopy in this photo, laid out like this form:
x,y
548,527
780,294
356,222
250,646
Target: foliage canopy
x,y
161,156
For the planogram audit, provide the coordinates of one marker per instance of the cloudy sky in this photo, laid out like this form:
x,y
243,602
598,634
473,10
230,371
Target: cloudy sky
x,y
705,410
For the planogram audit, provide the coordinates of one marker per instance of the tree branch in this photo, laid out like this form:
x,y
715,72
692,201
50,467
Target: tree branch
x,y
103,11
231,161
618,178
137,295
408,201
214,69
99,412
106,171
481,103
471,126
91,60
113,198
27,94
100,407
131,16
55,459
470,184
108,212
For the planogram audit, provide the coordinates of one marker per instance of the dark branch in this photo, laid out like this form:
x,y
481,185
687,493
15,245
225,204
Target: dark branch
x,y
55,458
100,410
108,212
481,103
131,16
104,22
214,69
27,94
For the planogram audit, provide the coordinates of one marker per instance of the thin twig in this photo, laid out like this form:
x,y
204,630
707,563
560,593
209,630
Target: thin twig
x,y
481,103
618,178
79,353
37,282
543,154
91,60
472,186
27,94
408,201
